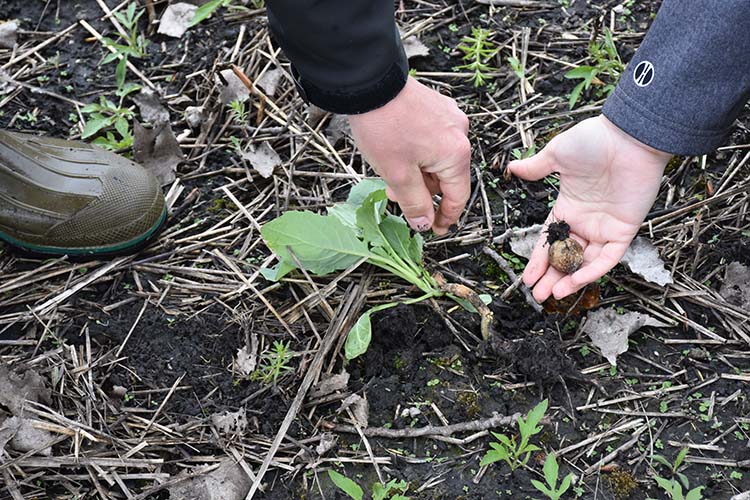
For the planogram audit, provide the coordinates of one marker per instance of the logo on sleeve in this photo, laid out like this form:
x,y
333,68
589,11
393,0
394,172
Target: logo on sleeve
x,y
643,74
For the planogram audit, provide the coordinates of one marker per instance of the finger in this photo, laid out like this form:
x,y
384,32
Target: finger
x,y
608,258
432,183
538,262
537,167
543,288
456,189
407,187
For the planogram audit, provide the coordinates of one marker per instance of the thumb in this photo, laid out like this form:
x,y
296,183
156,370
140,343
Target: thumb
x,y
414,198
537,167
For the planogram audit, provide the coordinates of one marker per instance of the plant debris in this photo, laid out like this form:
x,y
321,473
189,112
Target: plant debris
x,y
228,482
643,259
262,158
157,149
8,34
736,286
176,19
610,329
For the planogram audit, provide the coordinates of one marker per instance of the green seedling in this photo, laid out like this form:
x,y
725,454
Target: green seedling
x,y
603,74
478,50
132,44
274,363
207,9
360,230
673,486
239,112
393,489
107,114
551,476
514,452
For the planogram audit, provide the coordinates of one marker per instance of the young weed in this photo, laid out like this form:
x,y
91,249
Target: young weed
x,y
274,363
392,490
603,74
551,477
107,114
478,51
673,486
516,453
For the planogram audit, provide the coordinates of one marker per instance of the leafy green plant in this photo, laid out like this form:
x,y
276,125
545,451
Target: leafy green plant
x,y
133,44
392,490
478,51
515,452
356,231
239,111
273,364
673,486
551,476
105,114
603,74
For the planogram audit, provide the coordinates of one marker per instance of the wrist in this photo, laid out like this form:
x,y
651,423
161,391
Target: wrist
x,y
659,156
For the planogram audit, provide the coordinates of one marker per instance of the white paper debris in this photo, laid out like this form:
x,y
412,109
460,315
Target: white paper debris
x,y
8,34
262,158
176,19
269,81
736,287
642,258
609,331
7,85
523,242
228,482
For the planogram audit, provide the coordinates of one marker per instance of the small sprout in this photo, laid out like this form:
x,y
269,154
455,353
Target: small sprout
x,y
565,253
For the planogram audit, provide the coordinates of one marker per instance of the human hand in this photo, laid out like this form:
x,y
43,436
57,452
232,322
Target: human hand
x,y
417,143
608,183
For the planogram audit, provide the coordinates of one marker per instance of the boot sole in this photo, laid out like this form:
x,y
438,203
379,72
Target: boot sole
x,y
83,252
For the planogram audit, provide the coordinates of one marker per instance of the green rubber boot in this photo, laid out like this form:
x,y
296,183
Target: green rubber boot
x,y
67,197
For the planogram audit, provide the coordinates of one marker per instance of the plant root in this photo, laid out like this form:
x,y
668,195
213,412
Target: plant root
x,y
472,297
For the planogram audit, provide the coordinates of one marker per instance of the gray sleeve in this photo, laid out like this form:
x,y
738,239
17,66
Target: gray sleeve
x,y
689,79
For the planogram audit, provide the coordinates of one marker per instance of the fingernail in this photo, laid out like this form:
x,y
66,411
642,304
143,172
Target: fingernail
x,y
420,224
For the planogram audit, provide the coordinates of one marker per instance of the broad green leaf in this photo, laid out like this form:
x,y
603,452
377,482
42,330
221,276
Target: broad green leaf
x,y
369,218
378,491
493,456
565,484
695,494
415,248
665,484
551,470
535,416
359,337
685,481
346,485
398,235
400,497
96,124
109,58
122,126
541,487
363,189
661,460
346,213
322,244
579,72
127,89
278,271
503,439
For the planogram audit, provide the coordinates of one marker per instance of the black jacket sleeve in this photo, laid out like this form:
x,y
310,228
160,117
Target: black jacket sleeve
x,y
689,79
346,55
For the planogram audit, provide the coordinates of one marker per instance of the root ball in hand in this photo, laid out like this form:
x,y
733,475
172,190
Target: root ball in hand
x,y
565,253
